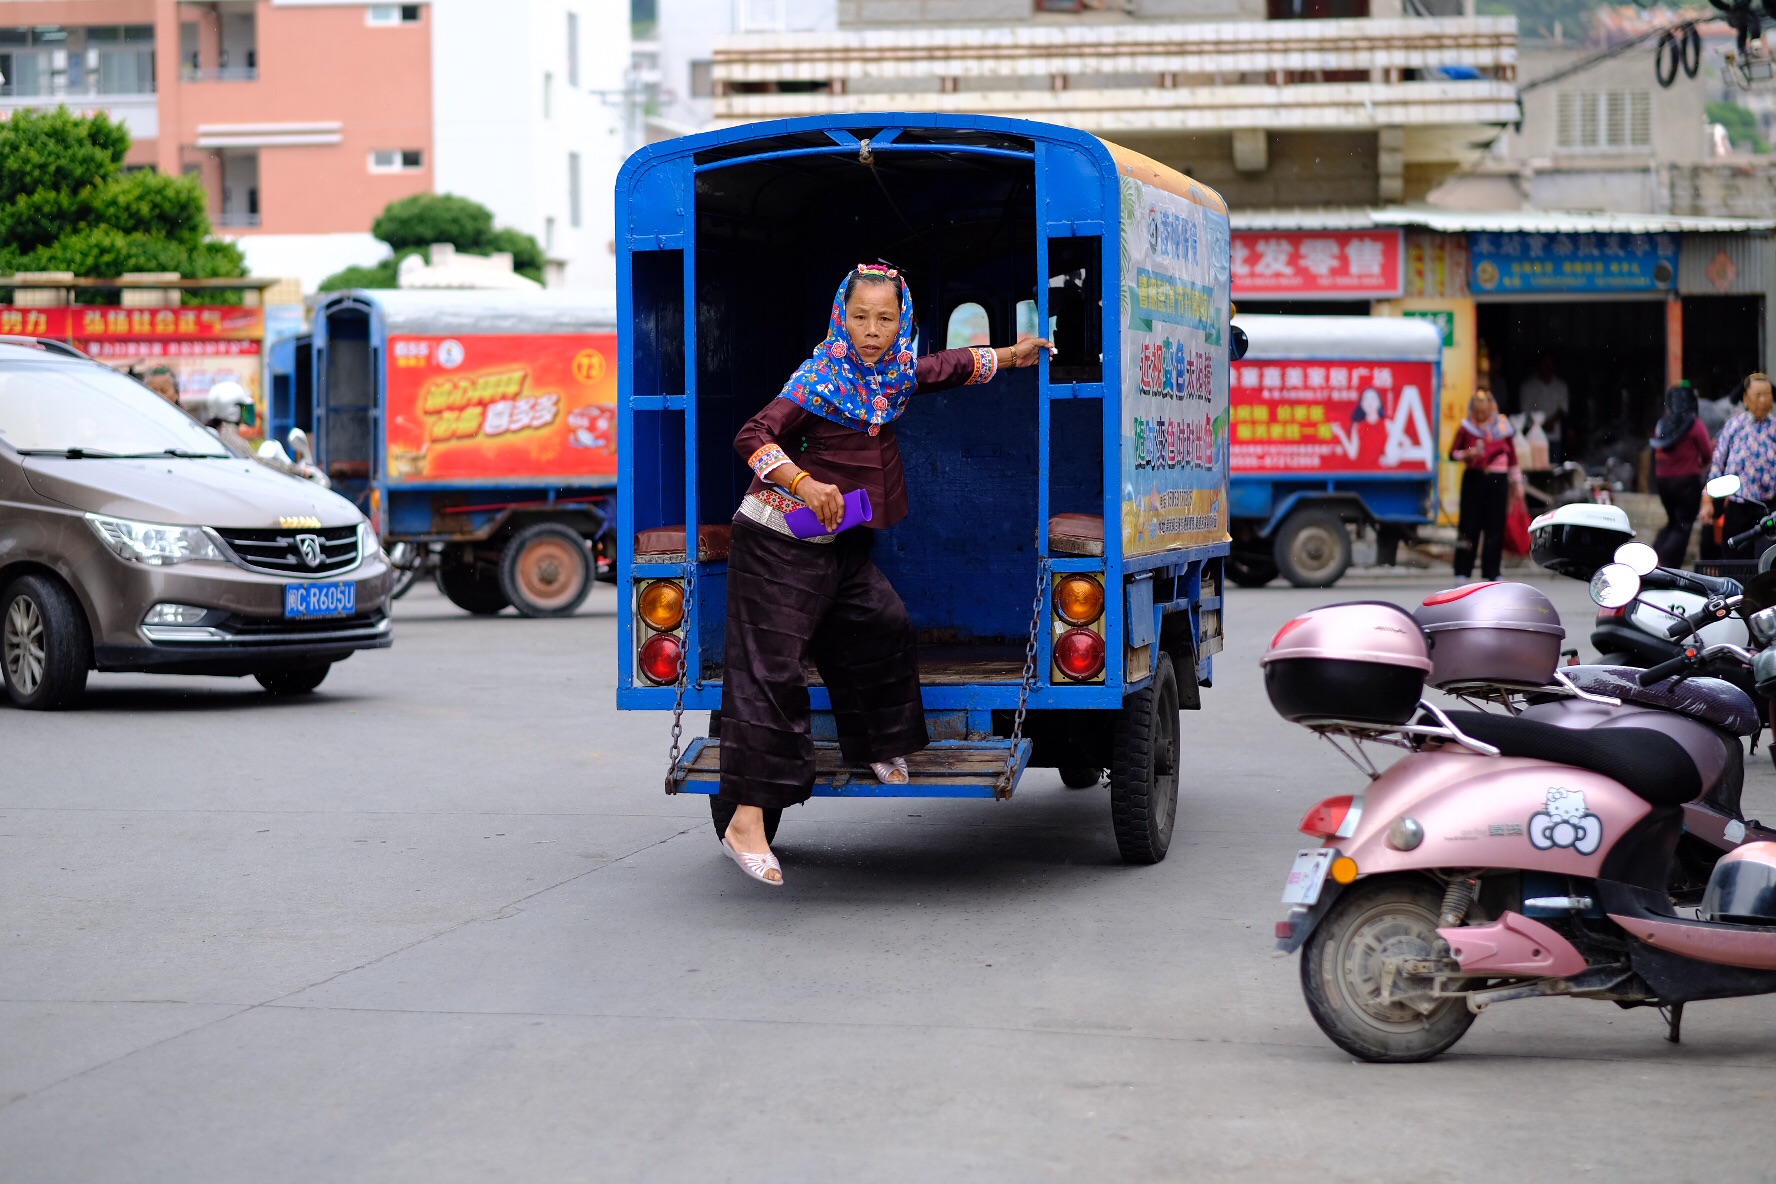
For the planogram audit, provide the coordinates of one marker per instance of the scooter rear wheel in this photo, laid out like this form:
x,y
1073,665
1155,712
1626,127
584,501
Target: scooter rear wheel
x,y
1343,968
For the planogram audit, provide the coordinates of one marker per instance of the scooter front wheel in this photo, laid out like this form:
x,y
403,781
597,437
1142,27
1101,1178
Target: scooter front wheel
x,y
1366,1007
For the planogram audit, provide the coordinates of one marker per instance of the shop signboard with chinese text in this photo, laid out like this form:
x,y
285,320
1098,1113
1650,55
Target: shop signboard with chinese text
x,y
1174,362
1539,263
1318,265
495,408
1340,417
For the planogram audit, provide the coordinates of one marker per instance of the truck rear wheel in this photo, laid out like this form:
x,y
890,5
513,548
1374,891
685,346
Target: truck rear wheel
x,y
471,587
1249,570
1313,549
1144,751
546,570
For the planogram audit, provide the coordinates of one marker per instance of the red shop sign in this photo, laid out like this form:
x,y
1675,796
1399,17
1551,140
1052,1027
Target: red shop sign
x,y
1319,264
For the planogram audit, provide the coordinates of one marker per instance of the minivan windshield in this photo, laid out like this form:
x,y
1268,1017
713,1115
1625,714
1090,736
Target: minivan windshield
x,y
76,409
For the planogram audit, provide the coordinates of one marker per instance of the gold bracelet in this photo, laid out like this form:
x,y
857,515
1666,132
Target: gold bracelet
x,y
797,480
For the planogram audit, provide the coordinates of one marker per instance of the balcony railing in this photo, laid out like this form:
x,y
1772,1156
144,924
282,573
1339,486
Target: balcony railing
x,y
219,74
236,220
1140,76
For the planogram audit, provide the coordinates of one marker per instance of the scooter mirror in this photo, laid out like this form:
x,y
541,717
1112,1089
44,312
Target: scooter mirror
x,y
1615,585
272,451
1723,486
1642,558
299,445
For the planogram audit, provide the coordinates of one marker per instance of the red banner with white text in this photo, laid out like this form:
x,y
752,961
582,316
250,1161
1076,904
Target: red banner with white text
x,y
1318,264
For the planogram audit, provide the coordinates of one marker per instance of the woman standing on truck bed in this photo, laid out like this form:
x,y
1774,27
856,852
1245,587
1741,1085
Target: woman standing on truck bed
x,y
829,432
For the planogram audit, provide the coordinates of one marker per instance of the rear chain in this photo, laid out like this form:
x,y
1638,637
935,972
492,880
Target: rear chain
x,y
673,779
1006,775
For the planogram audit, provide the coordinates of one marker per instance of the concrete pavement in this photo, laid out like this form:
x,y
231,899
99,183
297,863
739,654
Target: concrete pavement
x,y
438,923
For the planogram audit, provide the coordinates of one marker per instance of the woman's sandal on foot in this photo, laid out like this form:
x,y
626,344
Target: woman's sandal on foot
x,y
891,772
755,866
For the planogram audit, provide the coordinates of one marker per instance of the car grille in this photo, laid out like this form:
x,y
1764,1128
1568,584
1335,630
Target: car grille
x,y
254,627
279,552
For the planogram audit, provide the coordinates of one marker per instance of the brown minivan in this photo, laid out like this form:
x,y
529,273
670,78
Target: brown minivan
x,y
130,539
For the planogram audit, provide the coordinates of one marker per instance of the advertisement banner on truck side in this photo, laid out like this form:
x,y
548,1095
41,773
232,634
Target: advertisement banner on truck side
x,y
1334,417
1175,306
479,408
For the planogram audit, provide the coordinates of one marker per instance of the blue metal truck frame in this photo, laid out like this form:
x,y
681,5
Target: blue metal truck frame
x,y
469,514
1170,600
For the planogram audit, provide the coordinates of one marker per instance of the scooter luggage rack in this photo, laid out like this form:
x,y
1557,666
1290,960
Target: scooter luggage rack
x,y
1395,735
1510,695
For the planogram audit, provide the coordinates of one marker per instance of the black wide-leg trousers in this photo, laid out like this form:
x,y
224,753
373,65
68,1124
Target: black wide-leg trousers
x,y
789,601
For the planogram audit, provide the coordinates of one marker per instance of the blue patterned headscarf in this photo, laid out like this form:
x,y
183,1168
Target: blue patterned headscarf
x,y
837,384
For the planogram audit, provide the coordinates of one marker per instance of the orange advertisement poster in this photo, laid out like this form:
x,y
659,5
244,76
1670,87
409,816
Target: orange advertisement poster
x,y
502,408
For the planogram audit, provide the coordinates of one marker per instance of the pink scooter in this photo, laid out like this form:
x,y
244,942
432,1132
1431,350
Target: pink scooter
x,y
1505,856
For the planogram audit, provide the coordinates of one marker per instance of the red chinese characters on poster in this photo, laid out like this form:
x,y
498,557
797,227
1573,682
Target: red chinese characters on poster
x,y
506,407
1318,265
1333,417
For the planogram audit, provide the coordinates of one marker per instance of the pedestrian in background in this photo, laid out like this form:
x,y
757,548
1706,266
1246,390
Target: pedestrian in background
x,y
1681,453
1746,449
1484,445
163,382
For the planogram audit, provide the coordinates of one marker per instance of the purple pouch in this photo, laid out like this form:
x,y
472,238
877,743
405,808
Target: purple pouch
x,y
805,524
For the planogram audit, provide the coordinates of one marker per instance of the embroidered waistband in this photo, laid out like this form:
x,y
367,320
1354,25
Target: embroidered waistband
x,y
767,508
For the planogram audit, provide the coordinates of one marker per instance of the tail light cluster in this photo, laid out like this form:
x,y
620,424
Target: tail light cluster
x,y
1334,818
1079,627
660,608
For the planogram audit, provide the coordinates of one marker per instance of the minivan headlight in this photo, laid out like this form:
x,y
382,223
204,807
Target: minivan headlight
x,y
368,543
152,543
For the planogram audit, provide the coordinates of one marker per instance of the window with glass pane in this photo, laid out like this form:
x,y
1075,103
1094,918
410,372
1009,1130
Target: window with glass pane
x,y
969,325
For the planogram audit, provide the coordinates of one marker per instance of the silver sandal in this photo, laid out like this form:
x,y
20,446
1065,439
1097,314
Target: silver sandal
x,y
891,772
755,866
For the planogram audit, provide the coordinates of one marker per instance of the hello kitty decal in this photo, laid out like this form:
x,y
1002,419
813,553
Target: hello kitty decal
x,y
1565,823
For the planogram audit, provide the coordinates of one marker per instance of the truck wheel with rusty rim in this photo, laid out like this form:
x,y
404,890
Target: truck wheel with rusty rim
x,y
1313,548
546,570
1366,1007
45,645
1144,750
471,587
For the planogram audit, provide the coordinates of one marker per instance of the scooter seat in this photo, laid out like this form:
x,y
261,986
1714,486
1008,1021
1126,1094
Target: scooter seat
x,y
1711,700
1651,765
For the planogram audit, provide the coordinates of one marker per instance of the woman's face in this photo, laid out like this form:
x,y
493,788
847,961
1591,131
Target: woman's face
x,y
1480,409
1757,400
1371,403
872,318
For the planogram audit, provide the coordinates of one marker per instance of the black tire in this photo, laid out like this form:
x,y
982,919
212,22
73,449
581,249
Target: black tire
x,y
1341,969
1080,776
471,588
300,681
1249,570
405,559
45,644
546,570
721,813
1313,548
1144,750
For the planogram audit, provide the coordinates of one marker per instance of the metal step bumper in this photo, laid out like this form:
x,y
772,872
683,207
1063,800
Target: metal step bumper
x,y
944,769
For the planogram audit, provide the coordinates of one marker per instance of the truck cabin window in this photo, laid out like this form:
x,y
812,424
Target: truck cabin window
x,y
969,325
1076,309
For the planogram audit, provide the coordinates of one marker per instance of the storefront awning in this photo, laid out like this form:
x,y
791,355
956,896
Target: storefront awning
x,y
1493,221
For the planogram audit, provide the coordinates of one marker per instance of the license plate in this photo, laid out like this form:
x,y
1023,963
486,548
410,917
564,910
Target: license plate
x,y
321,600
1308,874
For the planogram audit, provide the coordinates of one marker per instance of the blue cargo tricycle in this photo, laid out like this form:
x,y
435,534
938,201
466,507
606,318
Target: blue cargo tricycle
x,y
1063,557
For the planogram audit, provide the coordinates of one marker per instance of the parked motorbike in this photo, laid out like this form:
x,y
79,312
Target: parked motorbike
x,y
272,454
1516,854
1576,540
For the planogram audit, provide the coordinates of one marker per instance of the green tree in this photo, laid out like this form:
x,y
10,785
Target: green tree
x,y
410,225
67,205
1741,125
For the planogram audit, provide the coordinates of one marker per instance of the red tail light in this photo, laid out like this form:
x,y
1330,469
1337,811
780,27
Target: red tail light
x,y
1288,628
659,658
1332,818
1611,614
1080,654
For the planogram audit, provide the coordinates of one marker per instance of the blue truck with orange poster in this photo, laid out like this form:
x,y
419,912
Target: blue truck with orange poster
x,y
476,429
1062,559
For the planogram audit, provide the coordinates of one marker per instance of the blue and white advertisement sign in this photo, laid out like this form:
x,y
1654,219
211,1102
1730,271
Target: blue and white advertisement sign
x,y
1528,263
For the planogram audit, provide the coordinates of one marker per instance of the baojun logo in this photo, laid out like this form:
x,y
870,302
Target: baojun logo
x,y
310,546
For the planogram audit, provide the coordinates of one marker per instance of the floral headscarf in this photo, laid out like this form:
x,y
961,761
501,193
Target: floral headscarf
x,y
837,384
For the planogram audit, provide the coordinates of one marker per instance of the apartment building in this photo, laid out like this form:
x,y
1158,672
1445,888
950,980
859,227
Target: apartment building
x,y
304,118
